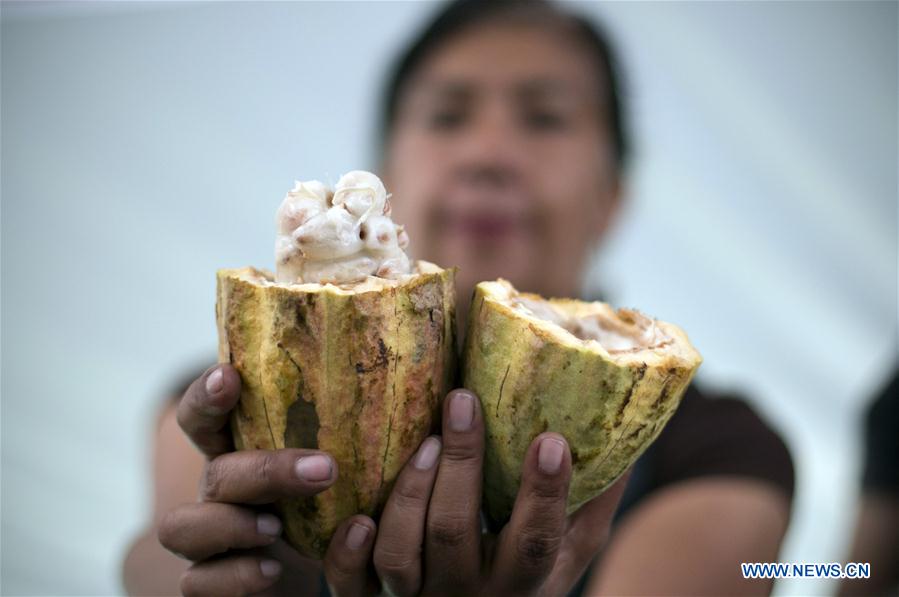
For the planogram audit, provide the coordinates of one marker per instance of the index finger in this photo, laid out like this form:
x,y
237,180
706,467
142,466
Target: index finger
x,y
205,409
588,530
453,527
530,542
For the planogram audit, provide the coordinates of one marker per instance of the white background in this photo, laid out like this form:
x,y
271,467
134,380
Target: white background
x,y
145,146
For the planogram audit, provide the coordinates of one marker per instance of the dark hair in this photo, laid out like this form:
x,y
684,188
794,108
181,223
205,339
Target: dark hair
x,y
459,15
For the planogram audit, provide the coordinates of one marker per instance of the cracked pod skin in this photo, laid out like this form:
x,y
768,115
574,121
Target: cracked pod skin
x,y
357,372
533,377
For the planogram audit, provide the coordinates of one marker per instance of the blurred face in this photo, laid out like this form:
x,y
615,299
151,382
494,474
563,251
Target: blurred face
x,y
501,162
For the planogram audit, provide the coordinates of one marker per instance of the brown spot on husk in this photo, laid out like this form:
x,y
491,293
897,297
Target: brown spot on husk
x,y
635,433
664,393
300,315
501,386
302,425
638,377
380,361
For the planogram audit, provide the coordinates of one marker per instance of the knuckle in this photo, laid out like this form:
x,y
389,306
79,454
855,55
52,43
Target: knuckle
x,y
468,452
213,480
449,532
266,468
340,571
407,496
548,492
393,562
536,546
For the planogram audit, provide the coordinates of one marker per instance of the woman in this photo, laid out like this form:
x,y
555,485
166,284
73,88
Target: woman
x,y
504,147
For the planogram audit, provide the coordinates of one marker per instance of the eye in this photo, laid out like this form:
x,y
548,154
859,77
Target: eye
x,y
446,119
545,120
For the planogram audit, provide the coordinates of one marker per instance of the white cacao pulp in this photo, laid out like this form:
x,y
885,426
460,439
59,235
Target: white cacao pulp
x,y
339,236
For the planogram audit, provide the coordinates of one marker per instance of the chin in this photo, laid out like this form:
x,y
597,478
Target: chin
x,y
468,277
478,264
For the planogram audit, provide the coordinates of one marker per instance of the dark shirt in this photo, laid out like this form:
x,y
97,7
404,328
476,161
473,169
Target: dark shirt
x,y
708,436
881,472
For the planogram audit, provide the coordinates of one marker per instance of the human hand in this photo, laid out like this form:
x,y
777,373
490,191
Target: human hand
x,y
430,538
229,534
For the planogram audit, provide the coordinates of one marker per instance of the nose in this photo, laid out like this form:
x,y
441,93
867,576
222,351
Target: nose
x,y
490,151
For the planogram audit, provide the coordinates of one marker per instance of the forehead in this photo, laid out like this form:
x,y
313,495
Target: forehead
x,y
514,57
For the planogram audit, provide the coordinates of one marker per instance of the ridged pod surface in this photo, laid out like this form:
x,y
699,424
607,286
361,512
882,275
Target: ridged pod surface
x,y
533,376
358,371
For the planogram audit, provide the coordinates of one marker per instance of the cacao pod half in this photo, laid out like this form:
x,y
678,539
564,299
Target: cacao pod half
x,y
607,381
356,370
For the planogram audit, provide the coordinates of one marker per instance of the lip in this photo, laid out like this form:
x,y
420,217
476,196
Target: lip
x,y
484,227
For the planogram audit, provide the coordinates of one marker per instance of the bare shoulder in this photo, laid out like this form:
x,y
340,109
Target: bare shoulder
x,y
693,535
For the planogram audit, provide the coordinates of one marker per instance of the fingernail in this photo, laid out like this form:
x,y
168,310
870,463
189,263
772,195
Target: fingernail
x,y
427,454
215,382
461,411
270,568
314,468
356,536
549,455
267,524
